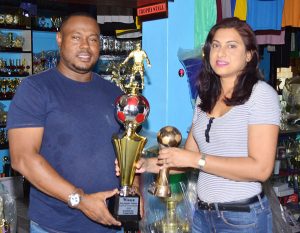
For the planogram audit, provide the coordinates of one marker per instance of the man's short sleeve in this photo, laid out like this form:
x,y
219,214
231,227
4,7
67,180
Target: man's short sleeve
x,y
28,106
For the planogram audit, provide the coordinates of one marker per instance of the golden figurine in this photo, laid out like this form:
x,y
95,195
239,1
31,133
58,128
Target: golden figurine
x,y
18,42
138,55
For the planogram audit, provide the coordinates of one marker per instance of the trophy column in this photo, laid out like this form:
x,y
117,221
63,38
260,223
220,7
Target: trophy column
x,y
132,110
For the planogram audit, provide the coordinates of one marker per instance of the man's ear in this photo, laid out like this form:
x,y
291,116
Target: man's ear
x,y
58,39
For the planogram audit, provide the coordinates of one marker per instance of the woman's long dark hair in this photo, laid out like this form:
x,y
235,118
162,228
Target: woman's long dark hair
x,y
209,84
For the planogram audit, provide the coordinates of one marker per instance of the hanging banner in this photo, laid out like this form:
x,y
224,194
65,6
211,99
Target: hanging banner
x,y
155,10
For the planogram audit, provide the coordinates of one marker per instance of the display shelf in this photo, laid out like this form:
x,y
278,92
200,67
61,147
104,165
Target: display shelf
x,y
19,46
16,39
4,146
14,28
290,130
13,50
2,75
288,172
40,29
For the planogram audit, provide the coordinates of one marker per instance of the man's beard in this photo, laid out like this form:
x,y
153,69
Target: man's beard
x,y
83,69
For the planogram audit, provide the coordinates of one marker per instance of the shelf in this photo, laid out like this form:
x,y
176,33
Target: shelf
x,y
290,130
6,98
15,27
40,29
289,172
13,50
4,146
119,57
13,75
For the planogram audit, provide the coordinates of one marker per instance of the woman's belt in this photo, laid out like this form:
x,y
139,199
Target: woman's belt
x,y
238,206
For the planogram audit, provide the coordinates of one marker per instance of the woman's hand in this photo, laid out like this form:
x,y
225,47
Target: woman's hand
x,y
177,157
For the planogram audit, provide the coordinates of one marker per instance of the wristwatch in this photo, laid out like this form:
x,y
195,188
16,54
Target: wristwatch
x,y
75,198
202,161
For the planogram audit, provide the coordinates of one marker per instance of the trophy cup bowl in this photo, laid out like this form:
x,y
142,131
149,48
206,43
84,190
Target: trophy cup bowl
x,y
132,110
167,136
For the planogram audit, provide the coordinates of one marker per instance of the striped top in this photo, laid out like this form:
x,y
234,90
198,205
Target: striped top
x,y
228,136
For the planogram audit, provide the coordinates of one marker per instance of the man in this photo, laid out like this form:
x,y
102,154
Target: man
x,y
60,126
138,56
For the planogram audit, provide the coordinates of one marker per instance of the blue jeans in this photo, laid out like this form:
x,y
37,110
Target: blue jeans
x,y
36,228
258,220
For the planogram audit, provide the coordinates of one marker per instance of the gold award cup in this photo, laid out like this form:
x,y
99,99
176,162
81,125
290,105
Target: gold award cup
x,y
167,136
132,109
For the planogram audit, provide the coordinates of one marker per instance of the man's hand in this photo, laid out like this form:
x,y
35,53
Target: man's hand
x,y
94,206
141,166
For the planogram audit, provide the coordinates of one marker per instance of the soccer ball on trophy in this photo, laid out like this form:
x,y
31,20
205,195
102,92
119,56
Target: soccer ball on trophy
x,y
132,109
169,136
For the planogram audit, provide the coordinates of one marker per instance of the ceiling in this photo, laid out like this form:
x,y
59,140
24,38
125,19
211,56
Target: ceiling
x,y
116,3
100,7
104,7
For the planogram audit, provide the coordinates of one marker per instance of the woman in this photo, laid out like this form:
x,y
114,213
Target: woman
x,y
233,137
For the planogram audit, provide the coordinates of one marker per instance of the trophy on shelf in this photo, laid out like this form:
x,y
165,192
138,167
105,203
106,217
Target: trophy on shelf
x,y
56,22
168,136
132,109
4,224
138,55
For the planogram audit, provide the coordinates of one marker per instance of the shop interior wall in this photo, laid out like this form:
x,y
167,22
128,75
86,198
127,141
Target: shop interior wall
x,y
168,94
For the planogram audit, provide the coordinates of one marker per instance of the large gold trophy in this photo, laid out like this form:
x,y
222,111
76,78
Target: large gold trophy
x,y
132,109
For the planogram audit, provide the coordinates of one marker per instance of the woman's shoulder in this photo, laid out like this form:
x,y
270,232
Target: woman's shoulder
x,y
263,94
263,89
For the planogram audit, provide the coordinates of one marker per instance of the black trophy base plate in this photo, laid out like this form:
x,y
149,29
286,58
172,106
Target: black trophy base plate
x,y
126,210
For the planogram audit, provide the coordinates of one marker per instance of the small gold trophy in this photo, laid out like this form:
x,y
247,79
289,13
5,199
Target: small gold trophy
x,y
167,187
168,136
132,109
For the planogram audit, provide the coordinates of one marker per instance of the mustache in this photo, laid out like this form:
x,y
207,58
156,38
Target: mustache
x,y
85,51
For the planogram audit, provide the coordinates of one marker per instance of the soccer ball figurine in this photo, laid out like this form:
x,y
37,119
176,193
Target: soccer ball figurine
x,y
169,136
132,109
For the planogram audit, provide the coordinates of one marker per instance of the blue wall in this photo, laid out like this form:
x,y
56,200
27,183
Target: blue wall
x,y
168,94
44,41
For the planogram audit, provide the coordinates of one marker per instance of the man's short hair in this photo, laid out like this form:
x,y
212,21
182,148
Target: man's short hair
x,y
65,19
